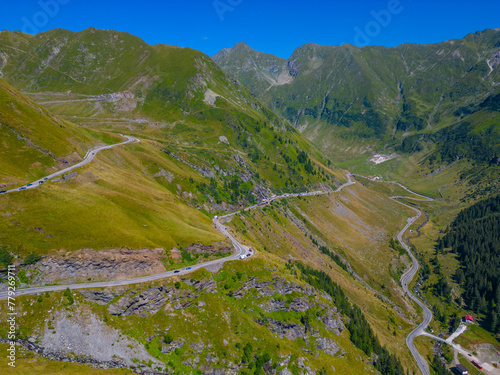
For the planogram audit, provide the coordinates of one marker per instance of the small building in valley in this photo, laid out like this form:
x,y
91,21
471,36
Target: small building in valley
x,y
460,370
468,319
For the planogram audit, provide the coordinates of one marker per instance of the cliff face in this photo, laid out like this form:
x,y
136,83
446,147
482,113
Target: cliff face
x,y
113,264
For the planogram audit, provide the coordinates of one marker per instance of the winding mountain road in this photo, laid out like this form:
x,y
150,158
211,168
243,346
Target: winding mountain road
x,y
242,251
89,156
406,278
408,275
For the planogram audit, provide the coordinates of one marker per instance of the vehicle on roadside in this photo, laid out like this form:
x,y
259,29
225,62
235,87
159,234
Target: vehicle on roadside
x,y
176,271
29,185
250,250
23,188
188,268
45,178
3,192
242,256
477,365
249,255
40,182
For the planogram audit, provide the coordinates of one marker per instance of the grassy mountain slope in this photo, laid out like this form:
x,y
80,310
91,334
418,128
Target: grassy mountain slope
x,y
207,146
112,80
256,70
237,315
357,226
434,105
34,141
339,93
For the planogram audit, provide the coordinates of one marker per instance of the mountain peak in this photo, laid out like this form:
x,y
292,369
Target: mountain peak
x,y
241,45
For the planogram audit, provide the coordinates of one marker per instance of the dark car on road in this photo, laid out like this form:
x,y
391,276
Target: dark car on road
x,y
176,271
23,188
188,268
2,192
29,184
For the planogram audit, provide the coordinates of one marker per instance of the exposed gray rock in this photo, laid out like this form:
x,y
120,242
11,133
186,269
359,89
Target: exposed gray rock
x,y
327,345
215,248
284,329
176,344
149,301
301,362
274,305
300,304
102,297
285,371
197,347
325,295
112,264
88,335
269,288
333,324
210,358
184,301
206,285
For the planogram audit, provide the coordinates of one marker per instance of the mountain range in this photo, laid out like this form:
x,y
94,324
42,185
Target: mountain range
x,y
322,292
371,96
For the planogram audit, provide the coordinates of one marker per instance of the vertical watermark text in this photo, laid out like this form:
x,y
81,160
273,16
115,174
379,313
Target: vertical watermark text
x,y
11,315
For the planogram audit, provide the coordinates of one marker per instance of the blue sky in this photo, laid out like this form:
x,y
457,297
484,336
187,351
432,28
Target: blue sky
x,y
271,26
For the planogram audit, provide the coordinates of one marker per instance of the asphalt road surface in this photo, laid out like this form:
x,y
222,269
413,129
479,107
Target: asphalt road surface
x,y
241,251
87,159
406,278
408,275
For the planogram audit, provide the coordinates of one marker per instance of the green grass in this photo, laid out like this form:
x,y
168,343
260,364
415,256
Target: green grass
x,y
346,231
223,322
473,370
476,335
28,363
110,204
43,138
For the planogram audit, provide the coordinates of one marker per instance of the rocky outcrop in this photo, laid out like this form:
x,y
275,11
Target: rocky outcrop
x,y
219,247
274,305
203,285
113,264
176,344
327,345
269,288
283,329
283,287
184,301
102,296
333,324
86,335
149,301
298,304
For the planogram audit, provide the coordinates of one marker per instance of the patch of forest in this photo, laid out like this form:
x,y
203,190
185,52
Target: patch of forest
x,y
474,236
